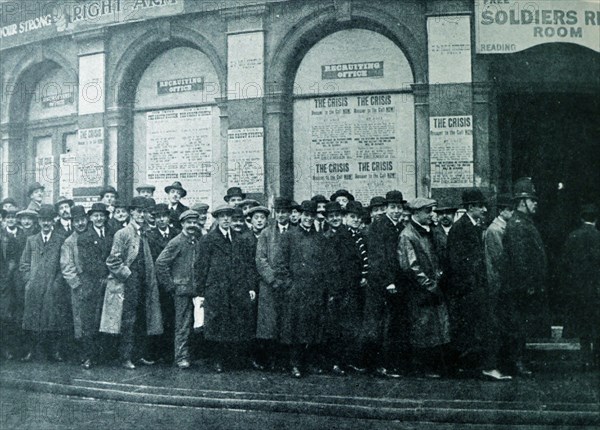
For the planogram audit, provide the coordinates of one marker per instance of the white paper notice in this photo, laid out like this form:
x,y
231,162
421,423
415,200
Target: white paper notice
x,y
245,74
179,148
46,173
449,49
245,159
91,84
451,151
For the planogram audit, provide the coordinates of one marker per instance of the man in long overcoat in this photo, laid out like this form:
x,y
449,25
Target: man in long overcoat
x,y
47,308
523,305
224,280
8,264
428,313
301,271
131,304
581,285
386,324
71,268
94,247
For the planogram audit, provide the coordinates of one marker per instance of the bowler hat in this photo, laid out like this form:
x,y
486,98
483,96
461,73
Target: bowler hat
x,y
27,212
354,207
201,208
107,190
473,196
138,202
341,193
234,192
504,201
332,207
281,203
309,206
176,186
150,204
421,203
77,211
62,200
160,209
145,187
47,212
237,213
98,207
294,206
319,198
35,186
376,201
394,196
524,189
223,209
188,214
262,209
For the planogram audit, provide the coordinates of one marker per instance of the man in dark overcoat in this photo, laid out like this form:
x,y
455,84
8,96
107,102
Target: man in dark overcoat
x,y
522,301
94,247
225,270
301,271
386,324
47,305
8,264
175,193
581,285
472,323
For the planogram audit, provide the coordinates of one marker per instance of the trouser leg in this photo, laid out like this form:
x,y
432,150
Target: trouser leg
x,y
129,318
184,314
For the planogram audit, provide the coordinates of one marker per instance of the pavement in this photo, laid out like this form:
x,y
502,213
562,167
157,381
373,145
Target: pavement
x,y
559,395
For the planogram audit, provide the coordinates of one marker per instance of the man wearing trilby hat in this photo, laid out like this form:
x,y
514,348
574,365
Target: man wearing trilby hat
x,y
63,208
523,293
175,193
35,193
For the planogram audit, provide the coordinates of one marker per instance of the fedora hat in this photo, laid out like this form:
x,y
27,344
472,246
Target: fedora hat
x,y
62,200
376,202
309,206
35,186
394,196
98,207
47,212
176,186
473,196
504,201
234,192
77,211
354,207
332,207
107,190
161,209
341,193
138,203
223,209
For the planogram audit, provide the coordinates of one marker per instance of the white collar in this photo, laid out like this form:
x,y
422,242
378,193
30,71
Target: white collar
x,y
163,232
471,218
66,223
225,233
424,227
98,230
46,237
446,229
393,222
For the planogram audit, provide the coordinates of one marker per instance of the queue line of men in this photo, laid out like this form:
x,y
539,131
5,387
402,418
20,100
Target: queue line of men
x,y
321,293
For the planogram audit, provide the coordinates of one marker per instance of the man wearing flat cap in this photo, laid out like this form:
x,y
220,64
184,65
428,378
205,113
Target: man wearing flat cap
x,y
94,247
47,304
176,269
175,193
131,303
301,272
63,208
35,193
523,293
202,209
225,279
146,190
428,314
581,286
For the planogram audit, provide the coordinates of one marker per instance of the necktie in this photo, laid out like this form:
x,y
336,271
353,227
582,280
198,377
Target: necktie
x,y
45,240
102,234
227,236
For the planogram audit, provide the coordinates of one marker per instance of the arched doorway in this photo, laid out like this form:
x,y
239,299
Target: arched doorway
x,y
176,126
353,117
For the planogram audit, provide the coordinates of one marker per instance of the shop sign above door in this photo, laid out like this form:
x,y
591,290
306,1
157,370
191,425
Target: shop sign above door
x,y
507,26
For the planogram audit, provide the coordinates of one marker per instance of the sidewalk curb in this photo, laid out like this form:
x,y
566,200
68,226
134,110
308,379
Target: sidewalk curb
x,y
416,413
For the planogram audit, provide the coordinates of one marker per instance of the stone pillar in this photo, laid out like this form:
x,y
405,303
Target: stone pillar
x,y
423,178
481,135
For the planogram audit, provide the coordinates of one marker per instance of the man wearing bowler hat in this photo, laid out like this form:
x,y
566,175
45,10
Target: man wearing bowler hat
x,y
302,273
35,193
133,277
120,216
63,208
47,299
342,197
176,269
175,193
523,293
320,221
71,267
234,196
94,247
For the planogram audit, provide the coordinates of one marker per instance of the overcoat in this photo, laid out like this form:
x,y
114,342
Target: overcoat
x,y
301,271
158,242
268,319
47,304
224,279
467,289
175,212
384,269
93,252
125,248
70,266
523,303
581,282
427,308
16,282
493,238
8,264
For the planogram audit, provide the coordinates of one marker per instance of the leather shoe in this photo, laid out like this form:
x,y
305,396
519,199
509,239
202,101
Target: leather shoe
x,y
57,357
218,368
128,365
495,375
87,364
184,364
296,372
257,366
27,357
147,362
357,369
382,372
338,371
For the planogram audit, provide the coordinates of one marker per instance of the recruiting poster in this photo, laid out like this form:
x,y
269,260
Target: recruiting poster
x,y
451,151
449,48
245,159
179,148
356,142
46,173
503,27
245,72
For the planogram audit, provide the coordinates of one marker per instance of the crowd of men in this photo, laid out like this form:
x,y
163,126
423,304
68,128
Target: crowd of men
x,y
328,285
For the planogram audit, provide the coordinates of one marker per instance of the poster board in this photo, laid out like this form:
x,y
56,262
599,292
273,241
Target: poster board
x,y
245,159
451,151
